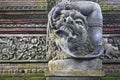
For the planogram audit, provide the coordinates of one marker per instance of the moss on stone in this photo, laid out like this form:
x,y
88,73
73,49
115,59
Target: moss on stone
x,y
111,78
28,66
23,78
21,75
35,78
104,8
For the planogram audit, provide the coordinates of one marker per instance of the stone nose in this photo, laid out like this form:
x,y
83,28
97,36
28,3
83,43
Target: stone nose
x,y
69,20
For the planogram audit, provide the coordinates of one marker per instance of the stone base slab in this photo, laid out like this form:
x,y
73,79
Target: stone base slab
x,y
75,64
73,78
80,73
75,67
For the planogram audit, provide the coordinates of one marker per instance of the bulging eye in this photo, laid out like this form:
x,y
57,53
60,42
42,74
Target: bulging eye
x,y
79,21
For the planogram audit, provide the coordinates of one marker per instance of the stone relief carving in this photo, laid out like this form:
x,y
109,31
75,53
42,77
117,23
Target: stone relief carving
x,y
23,48
111,51
23,25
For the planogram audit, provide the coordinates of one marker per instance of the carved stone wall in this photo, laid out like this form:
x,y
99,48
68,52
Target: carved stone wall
x,y
112,49
23,4
22,48
112,69
19,21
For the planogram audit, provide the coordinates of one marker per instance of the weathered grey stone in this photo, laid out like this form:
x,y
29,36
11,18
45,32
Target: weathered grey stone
x,y
75,29
74,67
75,64
73,78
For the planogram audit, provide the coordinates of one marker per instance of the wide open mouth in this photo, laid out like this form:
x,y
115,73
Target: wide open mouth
x,y
77,44
80,52
73,39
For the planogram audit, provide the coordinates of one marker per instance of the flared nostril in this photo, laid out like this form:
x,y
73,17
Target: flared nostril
x,y
64,20
69,20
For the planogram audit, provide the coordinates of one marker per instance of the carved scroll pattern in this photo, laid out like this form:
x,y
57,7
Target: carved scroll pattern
x,y
112,48
23,48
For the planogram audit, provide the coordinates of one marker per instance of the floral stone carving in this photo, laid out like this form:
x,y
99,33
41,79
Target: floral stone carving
x,y
20,48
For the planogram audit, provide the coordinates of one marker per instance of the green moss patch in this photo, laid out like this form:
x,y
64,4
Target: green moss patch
x,y
113,8
18,78
111,78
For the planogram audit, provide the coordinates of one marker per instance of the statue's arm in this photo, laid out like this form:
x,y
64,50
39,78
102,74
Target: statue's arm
x,y
90,9
94,18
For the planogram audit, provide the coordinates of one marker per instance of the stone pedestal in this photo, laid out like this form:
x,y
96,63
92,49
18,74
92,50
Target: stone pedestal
x,y
72,78
75,69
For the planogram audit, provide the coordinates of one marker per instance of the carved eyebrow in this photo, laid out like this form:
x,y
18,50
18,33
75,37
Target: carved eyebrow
x,y
79,21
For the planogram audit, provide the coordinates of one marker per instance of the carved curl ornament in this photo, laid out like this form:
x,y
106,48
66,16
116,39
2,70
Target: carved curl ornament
x,y
23,48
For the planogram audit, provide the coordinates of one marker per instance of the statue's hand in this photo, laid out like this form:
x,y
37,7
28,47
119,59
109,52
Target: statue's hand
x,y
58,8
56,12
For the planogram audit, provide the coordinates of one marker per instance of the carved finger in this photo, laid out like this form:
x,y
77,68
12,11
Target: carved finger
x,y
59,23
56,13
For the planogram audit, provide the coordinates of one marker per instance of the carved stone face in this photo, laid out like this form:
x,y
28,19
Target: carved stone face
x,y
74,37
73,34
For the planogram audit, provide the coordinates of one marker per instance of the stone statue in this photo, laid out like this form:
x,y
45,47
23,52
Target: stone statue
x,y
77,28
75,37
